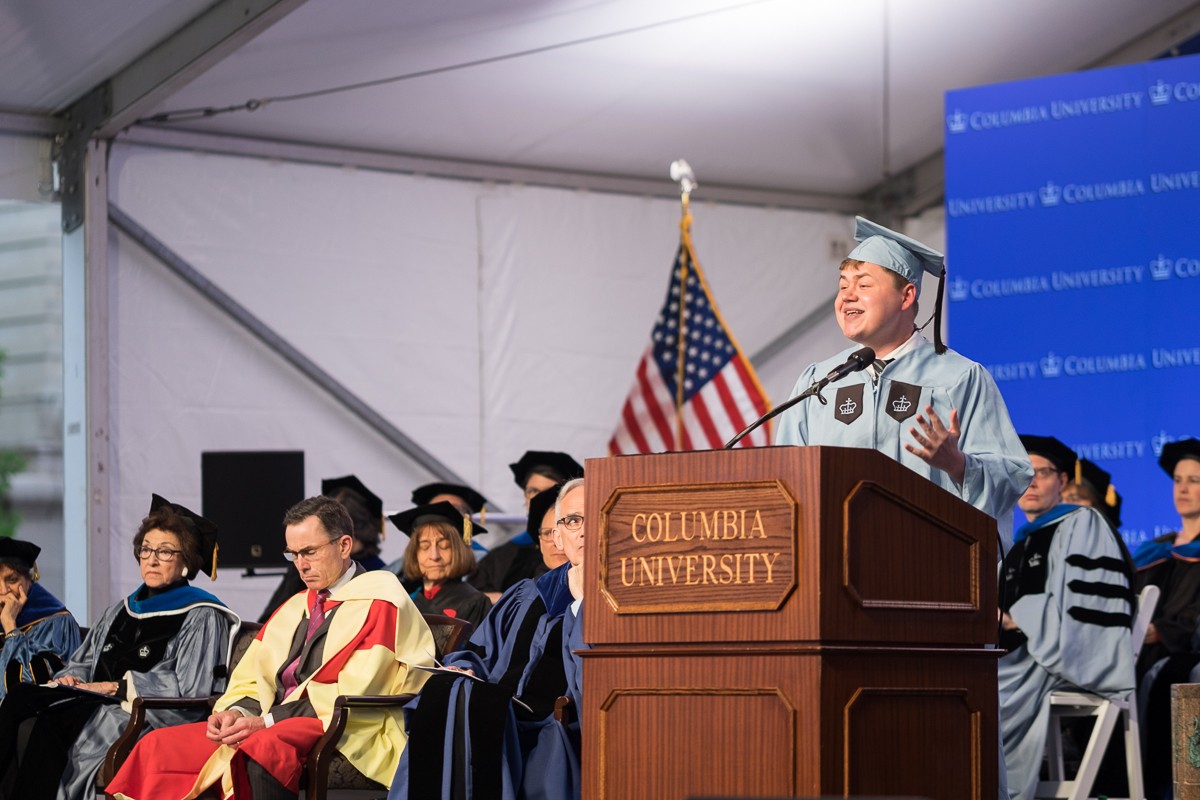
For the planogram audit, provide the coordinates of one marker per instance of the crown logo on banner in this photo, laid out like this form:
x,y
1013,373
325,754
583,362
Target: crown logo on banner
x,y
901,404
956,122
1051,365
1159,441
847,408
959,289
1050,193
1160,268
1160,93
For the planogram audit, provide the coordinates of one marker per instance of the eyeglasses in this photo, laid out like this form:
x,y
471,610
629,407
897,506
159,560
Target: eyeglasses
x,y
1046,472
308,552
163,554
545,533
571,522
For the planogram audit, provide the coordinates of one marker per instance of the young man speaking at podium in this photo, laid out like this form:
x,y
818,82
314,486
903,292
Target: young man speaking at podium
x,y
931,409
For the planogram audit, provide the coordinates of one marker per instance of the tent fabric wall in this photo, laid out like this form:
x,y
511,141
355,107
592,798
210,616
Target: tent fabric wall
x,y
480,319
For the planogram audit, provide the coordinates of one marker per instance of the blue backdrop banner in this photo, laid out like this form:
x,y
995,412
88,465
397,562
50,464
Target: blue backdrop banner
x,y
1073,244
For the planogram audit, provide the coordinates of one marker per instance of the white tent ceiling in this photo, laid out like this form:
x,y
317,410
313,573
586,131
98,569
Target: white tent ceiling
x,y
802,96
801,103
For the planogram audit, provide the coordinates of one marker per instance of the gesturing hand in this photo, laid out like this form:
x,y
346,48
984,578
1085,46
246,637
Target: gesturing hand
x,y
938,445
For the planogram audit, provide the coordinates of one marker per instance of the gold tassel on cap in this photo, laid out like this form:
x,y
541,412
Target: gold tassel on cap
x,y
213,574
467,530
1078,471
36,576
483,515
383,529
1110,497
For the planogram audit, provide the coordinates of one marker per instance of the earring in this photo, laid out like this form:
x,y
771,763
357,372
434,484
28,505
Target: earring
x,y
185,572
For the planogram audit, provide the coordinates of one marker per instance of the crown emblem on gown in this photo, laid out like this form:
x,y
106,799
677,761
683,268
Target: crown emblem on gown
x,y
847,408
901,404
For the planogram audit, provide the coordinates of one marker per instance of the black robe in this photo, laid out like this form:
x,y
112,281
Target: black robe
x,y
455,599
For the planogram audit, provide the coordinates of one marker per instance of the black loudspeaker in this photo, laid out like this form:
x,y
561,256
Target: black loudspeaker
x,y
246,494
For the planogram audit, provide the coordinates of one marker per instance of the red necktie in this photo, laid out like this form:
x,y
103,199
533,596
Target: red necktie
x,y
315,617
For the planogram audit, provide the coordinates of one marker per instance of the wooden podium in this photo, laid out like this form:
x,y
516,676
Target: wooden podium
x,y
785,621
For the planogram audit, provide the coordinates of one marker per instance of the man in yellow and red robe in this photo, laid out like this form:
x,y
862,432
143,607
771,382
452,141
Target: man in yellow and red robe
x,y
352,632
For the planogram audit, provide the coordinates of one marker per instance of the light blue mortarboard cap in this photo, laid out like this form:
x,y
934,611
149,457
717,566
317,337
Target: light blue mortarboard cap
x,y
903,255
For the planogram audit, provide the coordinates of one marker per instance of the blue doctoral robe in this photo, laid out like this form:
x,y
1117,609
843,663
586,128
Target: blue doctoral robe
x,y
878,416
46,633
496,737
1067,589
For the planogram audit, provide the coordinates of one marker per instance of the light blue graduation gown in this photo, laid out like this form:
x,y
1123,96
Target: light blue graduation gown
x,y
1073,603
861,413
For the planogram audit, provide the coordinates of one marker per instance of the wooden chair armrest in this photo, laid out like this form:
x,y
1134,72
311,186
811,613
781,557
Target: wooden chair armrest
x,y
177,702
323,752
562,708
123,746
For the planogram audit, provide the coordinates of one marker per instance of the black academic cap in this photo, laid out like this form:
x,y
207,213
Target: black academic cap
x,y
1101,483
541,502
422,495
561,463
408,521
1052,450
17,550
1174,452
330,487
204,530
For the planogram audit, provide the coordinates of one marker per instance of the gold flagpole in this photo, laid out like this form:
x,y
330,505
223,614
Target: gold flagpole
x,y
681,171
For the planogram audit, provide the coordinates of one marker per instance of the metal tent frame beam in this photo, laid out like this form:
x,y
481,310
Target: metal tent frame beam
x,y
278,344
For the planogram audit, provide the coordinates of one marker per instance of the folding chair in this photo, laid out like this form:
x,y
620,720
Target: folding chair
x,y
1106,712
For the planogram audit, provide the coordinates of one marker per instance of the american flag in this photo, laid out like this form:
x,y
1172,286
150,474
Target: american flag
x,y
720,392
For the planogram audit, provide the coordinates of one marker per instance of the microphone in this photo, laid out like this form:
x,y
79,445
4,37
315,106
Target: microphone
x,y
858,360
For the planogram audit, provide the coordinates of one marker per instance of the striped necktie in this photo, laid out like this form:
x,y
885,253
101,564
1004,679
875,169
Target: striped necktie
x,y
315,617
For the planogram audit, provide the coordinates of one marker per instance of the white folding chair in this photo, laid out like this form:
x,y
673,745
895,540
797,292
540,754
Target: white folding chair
x,y
1106,711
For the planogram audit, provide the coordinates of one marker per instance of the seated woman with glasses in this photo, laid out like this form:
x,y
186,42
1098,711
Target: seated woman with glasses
x,y
38,632
166,638
499,724
439,555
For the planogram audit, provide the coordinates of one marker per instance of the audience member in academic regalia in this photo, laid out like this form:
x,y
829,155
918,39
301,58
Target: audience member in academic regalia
x,y
465,499
366,510
494,734
352,632
521,557
1170,653
438,556
921,404
541,524
1093,487
167,638
39,633
1067,609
